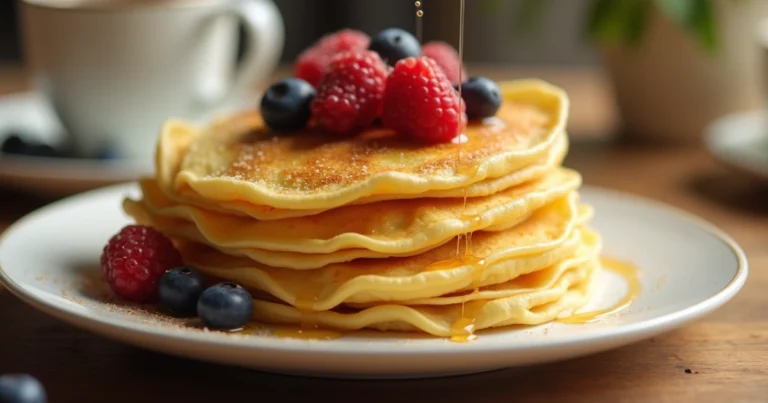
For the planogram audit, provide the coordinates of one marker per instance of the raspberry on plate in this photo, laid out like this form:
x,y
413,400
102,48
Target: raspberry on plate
x,y
447,58
420,102
312,64
350,96
134,260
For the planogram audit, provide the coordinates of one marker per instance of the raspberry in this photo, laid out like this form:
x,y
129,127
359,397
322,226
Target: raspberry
x,y
312,64
350,96
134,260
420,102
447,58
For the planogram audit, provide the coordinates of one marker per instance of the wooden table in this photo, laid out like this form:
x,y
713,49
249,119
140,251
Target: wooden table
x,y
723,357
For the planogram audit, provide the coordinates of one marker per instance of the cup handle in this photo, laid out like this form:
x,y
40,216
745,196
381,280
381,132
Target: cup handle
x,y
265,37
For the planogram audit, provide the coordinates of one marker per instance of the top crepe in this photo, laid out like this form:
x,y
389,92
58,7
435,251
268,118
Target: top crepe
x,y
239,160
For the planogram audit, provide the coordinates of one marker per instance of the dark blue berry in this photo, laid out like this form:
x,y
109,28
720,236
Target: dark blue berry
x,y
41,150
21,388
482,97
225,306
13,144
108,153
16,144
285,104
393,44
179,290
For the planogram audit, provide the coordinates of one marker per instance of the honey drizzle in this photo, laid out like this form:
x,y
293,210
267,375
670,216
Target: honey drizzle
x,y
419,15
630,274
463,329
305,301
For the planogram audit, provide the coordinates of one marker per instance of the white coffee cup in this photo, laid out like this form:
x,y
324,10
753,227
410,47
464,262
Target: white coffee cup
x,y
114,70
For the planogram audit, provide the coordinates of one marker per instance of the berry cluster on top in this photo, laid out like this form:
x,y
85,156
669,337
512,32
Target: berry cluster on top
x,y
346,81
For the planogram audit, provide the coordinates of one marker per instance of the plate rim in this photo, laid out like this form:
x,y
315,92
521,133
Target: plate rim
x,y
89,320
715,132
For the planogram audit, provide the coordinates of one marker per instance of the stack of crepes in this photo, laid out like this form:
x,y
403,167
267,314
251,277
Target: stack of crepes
x,y
375,231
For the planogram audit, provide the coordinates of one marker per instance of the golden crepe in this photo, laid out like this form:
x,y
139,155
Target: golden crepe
x,y
375,231
237,160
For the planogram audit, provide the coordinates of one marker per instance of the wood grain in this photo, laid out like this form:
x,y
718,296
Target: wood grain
x,y
723,357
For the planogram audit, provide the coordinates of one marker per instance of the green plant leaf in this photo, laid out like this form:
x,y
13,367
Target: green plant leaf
x,y
704,25
637,20
678,10
618,21
696,16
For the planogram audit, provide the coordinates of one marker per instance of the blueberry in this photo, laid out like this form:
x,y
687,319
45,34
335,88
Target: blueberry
x,y
393,44
108,153
225,306
41,150
285,104
179,290
13,144
21,388
482,97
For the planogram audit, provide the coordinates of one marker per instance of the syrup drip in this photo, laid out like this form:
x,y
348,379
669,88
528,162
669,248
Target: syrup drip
x,y
630,274
419,15
460,261
305,301
463,329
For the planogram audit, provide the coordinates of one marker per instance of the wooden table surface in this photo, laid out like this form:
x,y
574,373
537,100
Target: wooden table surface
x,y
723,357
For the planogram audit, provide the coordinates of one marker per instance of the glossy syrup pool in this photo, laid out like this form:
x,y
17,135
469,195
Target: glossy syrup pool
x,y
630,274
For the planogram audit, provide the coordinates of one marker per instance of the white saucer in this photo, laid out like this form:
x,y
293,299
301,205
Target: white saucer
x,y
29,113
741,141
688,268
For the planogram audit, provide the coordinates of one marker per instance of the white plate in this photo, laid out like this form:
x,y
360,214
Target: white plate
x,y
688,268
741,141
30,113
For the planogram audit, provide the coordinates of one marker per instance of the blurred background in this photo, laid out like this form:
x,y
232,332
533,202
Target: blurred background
x,y
657,72
490,37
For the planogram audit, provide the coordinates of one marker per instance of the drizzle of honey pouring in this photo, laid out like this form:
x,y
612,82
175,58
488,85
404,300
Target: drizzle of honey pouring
x,y
419,14
305,301
463,329
629,273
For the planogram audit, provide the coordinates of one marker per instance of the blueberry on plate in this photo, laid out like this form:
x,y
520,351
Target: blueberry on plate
x,y
13,144
16,144
482,97
41,150
285,104
21,388
108,153
393,44
179,290
225,306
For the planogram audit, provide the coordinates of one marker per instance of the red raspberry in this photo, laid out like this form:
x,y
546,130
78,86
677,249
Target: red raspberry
x,y
420,102
312,64
134,260
447,58
350,96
